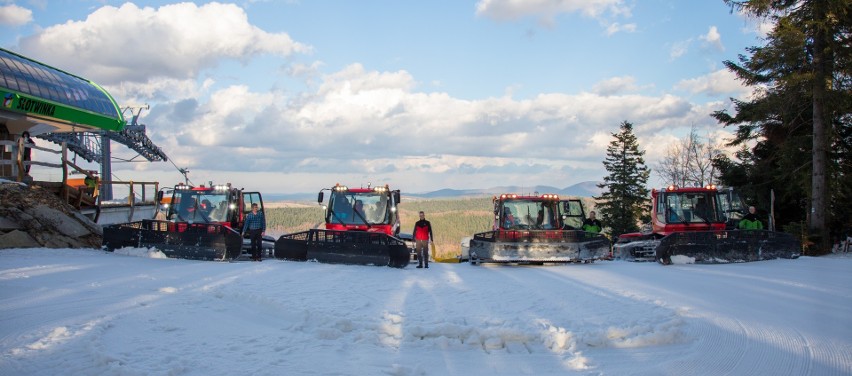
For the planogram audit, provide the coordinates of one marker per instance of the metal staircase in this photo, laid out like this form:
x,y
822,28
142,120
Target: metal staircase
x,y
95,146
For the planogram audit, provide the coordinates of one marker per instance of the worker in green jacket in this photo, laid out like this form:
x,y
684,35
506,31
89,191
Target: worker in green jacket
x,y
591,224
750,221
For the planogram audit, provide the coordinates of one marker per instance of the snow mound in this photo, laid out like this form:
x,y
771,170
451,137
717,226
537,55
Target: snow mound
x,y
141,252
681,259
92,312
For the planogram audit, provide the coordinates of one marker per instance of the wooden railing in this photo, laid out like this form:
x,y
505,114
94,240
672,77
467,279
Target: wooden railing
x,y
76,195
20,164
145,194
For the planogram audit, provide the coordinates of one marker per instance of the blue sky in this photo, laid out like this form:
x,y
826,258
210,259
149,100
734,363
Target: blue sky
x,y
294,96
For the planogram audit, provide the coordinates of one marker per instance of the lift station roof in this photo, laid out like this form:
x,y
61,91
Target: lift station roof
x,y
39,98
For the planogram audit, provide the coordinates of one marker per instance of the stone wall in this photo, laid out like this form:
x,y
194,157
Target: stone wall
x,y
32,217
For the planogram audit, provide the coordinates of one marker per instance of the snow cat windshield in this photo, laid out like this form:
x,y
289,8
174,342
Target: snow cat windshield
x,y
348,208
209,206
519,214
572,214
732,206
689,207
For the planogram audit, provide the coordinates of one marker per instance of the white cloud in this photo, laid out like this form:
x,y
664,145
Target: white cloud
x,y
719,82
176,41
679,49
355,80
352,125
13,15
305,71
761,26
616,27
158,89
547,10
615,85
713,39
372,125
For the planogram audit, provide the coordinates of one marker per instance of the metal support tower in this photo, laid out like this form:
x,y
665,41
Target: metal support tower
x,y
95,147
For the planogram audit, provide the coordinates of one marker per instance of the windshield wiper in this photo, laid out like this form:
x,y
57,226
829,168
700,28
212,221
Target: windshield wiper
x,y
334,214
363,219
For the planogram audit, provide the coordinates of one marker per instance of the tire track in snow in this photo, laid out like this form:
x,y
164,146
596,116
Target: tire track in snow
x,y
777,342
582,331
729,340
707,343
716,345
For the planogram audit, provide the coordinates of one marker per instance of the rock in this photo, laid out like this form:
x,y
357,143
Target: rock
x,y
66,225
17,239
91,225
7,224
31,216
59,241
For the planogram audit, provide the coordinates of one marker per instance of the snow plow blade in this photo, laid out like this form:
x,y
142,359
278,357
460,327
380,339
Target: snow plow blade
x,y
343,247
717,247
537,246
199,241
637,249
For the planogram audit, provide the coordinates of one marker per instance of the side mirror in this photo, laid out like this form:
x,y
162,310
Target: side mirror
x,y
319,198
396,197
159,196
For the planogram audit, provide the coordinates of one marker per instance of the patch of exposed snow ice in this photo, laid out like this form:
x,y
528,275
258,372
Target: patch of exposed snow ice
x,y
141,252
681,259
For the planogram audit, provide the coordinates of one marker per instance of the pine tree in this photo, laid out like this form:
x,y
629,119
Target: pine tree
x,y
625,198
803,75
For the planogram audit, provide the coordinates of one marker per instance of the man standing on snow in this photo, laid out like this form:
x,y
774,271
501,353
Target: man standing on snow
x,y
255,226
592,224
422,234
750,221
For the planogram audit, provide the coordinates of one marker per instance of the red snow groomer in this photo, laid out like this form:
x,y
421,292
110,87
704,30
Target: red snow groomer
x,y
698,224
361,228
202,223
536,230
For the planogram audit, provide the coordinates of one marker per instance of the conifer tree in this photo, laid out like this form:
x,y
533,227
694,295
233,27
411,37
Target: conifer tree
x,y
625,198
803,79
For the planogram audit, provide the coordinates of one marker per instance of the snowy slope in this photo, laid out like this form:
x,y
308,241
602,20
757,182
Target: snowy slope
x,y
87,312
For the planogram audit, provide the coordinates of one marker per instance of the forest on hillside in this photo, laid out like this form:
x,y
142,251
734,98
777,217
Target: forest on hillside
x,y
452,219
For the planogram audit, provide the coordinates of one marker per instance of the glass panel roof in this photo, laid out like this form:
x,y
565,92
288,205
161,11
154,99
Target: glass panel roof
x,y
33,78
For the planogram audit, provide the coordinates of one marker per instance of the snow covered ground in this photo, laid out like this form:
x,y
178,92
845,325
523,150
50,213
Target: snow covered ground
x,y
89,312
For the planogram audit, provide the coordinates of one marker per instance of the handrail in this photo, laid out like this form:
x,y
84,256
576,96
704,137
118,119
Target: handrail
x,y
131,197
19,169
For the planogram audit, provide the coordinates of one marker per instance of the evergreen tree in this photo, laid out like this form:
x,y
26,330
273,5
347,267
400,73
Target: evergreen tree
x,y
623,204
803,77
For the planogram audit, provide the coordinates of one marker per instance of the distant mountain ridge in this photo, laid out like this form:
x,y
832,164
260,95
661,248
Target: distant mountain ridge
x,y
584,189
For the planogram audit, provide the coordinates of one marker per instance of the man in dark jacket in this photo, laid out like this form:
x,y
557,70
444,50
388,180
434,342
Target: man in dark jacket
x,y
750,221
255,226
422,234
592,224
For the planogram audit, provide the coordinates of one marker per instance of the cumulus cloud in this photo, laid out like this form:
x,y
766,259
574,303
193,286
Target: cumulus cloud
x,y
719,82
713,39
761,26
13,15
158,89
679,49
128,43
616,27
352,125
377,126
305,71
615,85
547,10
